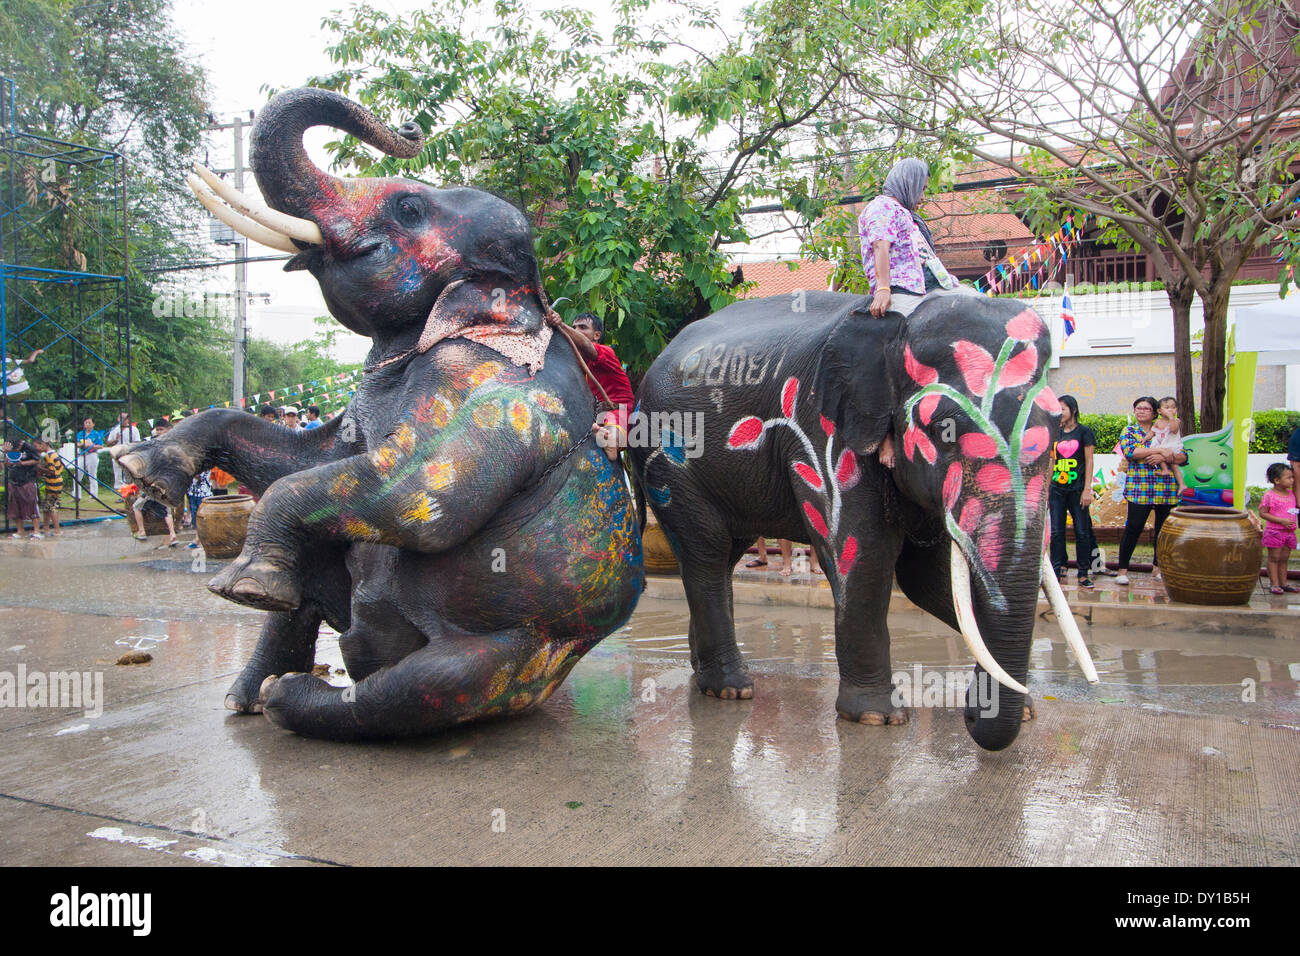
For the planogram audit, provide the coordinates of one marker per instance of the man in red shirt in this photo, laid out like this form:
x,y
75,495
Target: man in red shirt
x,y
610,426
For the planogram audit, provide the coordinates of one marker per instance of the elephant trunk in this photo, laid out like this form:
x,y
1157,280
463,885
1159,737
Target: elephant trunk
x,y
288,179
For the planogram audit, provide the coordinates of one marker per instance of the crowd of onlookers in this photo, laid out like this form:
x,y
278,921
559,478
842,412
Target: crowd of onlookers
x,y
1149,480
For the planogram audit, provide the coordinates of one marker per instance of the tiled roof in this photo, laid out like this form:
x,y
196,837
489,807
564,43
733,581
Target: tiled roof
x,y
775,277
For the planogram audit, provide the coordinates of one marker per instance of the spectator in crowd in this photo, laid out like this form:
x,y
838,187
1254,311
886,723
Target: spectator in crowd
x,y
611,424
16,384
122,433
1167,434
270,414
313,418
200,488
898,254
786,547
156,508
220,481
1278,510
290,419
1145,488
90,441
20,486
50,471
1071,492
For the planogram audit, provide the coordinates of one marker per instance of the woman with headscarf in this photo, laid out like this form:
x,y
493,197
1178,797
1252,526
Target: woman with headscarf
x,y
898,249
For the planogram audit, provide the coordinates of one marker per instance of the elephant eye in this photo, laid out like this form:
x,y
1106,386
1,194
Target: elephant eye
x,y
408,211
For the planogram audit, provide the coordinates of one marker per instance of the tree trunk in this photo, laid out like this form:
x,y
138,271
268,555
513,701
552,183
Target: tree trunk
x,y
1180,299
1214,354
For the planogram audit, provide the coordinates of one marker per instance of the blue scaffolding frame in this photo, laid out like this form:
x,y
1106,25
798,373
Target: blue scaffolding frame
x,y
62,201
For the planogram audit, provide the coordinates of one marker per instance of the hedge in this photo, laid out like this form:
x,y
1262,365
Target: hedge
x,y
1272,431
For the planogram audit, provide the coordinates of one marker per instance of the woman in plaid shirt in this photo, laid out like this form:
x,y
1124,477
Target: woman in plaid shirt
x,y
1145,489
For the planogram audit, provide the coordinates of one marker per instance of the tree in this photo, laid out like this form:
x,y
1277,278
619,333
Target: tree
x,y
633,155
113,75
1172,121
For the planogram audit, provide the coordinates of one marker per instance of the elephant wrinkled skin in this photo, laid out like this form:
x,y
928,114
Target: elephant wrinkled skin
x,y
455,523
794,405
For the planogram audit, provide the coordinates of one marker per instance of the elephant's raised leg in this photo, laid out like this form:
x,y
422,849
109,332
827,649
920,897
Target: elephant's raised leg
x,y
287,643
862,634
447,682
706,574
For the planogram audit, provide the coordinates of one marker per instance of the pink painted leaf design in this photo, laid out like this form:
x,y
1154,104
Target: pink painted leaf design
x,y
1026,326
788,393
952,486
920,373
995,479
971,513
991,545
746,433
847,472
975,364
1034,491
977,445
1046,400
849,555
926,407
813,479
828,426
815,518
913,439
1034,444
1019,369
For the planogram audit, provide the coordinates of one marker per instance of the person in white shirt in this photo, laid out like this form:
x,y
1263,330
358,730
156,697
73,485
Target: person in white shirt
x,y
126,434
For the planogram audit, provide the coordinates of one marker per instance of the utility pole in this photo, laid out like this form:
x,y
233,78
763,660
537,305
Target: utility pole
x,y
240,343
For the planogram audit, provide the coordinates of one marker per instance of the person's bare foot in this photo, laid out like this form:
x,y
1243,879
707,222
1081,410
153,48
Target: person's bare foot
x,y
887,451
784,572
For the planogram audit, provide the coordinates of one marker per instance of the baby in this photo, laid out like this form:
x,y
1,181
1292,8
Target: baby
x,y
1166,436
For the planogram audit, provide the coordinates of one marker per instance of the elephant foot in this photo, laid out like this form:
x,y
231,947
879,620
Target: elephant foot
x,y
871,708
257,583
727,682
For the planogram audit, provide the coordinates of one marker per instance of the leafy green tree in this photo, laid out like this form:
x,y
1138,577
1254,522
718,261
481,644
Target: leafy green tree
x,y
1171,121
633,155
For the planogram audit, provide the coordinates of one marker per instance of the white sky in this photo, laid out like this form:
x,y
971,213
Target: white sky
x,y
248,44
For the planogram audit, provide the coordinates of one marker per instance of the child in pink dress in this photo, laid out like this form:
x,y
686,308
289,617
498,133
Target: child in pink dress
x,y
1278,509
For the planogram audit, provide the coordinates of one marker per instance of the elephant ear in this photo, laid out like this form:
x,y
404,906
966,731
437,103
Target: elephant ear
x,y
852,385
498,312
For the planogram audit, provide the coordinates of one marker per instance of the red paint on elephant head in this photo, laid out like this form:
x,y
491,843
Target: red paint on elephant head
x,y
813,479
975,365
815,519
1046,400
915,438
1034,444
977,445
926,406
952,486
847,472
1019,368
1026,326
848,556
920,373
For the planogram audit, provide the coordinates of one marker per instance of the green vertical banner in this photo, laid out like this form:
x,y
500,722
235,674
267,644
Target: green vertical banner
x,y
1241,397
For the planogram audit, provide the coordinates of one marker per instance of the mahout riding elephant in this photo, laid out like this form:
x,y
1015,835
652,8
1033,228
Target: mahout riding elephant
x,y
795,395
456,523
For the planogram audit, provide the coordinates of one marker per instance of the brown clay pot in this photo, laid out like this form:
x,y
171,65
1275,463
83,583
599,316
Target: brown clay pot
x,y
1209,555
659,557
222,522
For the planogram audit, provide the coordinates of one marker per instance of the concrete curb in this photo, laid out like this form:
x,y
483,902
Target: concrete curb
x,y
1106,609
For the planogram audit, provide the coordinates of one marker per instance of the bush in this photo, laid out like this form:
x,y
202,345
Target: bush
x,y
1272,431
1107,428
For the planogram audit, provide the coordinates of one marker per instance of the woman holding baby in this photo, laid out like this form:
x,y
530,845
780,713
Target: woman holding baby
x,y
1153,449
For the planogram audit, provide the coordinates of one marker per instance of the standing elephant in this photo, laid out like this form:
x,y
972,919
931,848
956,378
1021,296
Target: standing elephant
x,y
456,523
794,405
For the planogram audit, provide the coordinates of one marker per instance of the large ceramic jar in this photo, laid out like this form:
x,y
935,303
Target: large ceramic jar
x,y
1209,555
222,522
658,555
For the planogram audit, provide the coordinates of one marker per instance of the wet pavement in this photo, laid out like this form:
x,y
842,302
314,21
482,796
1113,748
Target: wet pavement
x,y
1188,752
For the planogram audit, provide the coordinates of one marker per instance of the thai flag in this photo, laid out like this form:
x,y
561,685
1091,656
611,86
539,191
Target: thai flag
x,y
1067,315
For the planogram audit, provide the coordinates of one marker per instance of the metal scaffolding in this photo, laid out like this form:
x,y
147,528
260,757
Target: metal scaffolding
x,y
64,260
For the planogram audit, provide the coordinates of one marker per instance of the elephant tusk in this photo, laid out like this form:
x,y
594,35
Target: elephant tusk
x,y
303,230
1069,627
970,632
235,221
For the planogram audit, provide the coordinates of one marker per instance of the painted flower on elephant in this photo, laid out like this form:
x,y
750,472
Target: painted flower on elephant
x,y
487,414
404,438
440,474
384,458
546,402
421,508
521,417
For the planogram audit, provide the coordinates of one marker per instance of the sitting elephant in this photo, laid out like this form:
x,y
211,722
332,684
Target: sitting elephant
x,y
794,404
456,523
